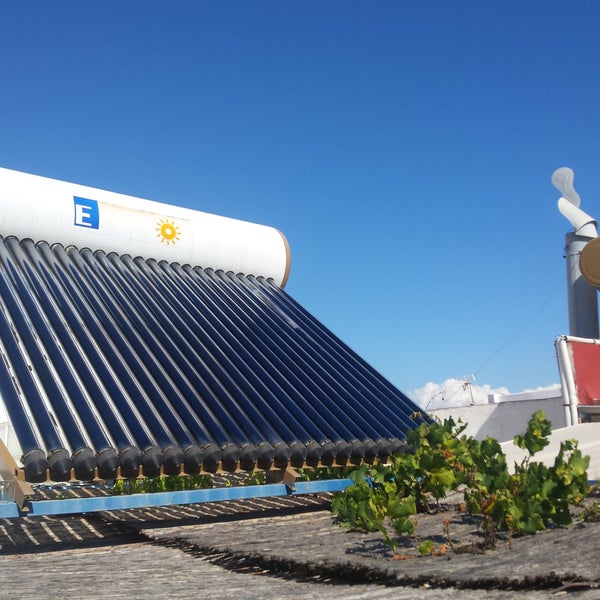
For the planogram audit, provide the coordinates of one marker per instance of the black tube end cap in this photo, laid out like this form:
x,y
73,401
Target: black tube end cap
x,y
357,452
265,454
230,455
314,452
343,451
84,461
212,456
172,459
248,456
60,464
399,446
192,459
328,452
299,451
371,450
282,455
131,459
152,461
107,461
35,465
384,449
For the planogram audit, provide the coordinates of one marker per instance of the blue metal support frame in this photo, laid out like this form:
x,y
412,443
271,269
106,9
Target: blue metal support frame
x,y
38,508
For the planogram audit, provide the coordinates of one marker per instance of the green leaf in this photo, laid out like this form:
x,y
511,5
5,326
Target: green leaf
x,y
426,547
535,437
533,524
579,464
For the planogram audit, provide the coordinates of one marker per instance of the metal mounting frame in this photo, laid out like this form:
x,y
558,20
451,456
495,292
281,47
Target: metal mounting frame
x,y
9,510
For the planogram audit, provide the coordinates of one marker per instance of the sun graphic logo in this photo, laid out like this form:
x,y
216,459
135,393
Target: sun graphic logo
x,y
167,232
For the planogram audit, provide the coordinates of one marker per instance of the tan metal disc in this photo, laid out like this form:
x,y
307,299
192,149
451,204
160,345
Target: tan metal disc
x,y
589,262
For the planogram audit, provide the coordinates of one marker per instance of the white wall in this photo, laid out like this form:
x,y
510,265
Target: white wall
x,y
506,416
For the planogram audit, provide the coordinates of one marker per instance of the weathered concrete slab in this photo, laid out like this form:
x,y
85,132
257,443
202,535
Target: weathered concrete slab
x,y
312,544
147,570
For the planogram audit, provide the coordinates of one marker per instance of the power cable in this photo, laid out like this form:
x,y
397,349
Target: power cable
x,y
467,383
520,332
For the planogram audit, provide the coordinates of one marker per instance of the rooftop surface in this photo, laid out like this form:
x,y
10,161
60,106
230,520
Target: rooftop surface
x,y
288,547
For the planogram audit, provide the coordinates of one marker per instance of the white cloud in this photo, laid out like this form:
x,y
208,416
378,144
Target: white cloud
x,y
460,392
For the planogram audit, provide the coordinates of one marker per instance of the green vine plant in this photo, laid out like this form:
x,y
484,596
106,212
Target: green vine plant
x,y
524,500
323,473
259,477
147,485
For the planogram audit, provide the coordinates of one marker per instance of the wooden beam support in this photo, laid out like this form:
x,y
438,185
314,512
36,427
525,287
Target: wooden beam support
x,y
15,490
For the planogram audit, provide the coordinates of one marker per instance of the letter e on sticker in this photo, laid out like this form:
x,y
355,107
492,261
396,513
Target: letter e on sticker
x,y
87,213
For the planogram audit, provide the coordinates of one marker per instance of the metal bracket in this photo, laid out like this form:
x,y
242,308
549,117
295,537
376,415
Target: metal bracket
x,y
15,489
289,480
288,477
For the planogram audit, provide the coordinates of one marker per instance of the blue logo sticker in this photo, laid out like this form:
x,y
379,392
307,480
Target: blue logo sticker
x,y
87,213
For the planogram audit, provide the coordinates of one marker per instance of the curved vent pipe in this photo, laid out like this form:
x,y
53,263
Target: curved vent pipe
x,y
583,298
568,205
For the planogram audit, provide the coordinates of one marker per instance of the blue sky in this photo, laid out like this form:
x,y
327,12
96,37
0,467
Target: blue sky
x,y
404,148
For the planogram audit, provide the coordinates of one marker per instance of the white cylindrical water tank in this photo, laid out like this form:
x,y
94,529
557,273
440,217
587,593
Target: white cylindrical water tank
x,y
70,214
